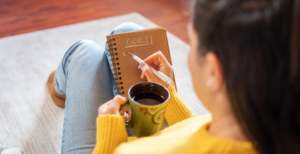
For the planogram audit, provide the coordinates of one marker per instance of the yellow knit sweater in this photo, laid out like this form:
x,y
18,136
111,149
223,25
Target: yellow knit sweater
x,y
186,133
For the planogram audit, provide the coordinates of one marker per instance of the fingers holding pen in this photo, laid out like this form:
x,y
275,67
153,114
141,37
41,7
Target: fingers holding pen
x,y
157,58
156,67
143,76
146,71
150,76
158,62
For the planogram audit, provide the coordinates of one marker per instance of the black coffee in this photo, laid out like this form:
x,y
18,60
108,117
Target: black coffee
x,y
148,98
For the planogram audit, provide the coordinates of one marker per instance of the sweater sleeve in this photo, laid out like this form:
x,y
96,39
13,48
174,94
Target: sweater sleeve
x,y
111,132
176,110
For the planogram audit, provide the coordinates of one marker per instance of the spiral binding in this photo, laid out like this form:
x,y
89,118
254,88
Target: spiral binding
x,y
114,57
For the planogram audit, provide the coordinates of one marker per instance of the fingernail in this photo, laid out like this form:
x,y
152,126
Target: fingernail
x,y
142,64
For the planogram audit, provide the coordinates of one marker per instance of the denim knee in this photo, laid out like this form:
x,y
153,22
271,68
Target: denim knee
x,y
127,27
82,47
85,47
90,45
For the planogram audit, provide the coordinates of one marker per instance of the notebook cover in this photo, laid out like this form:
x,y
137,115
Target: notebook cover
x,y
142,43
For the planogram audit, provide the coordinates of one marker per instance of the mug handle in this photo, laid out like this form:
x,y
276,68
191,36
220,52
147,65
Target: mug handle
x,y
129,124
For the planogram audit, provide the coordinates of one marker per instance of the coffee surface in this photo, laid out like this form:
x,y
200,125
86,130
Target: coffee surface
x,y
148,98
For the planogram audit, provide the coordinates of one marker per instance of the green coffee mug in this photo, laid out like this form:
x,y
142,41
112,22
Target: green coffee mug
x,y
146,115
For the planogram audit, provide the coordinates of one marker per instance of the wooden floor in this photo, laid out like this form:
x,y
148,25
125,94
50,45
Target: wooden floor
x,y
23,16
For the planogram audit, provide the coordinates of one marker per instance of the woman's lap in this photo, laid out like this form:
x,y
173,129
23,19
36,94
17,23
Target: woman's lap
x,y
85,77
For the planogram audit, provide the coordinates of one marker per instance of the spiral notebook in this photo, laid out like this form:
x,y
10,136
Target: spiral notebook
x,y
142,43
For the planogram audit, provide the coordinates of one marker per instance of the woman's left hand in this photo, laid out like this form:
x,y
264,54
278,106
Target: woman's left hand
x,y
112,107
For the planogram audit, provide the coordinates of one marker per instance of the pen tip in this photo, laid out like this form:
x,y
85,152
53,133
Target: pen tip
x,y
130,53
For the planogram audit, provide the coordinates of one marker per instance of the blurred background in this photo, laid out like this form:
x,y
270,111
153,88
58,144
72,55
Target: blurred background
x,y
23,16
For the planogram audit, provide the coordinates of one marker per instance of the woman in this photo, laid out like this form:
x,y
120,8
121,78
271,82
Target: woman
x,y
244,63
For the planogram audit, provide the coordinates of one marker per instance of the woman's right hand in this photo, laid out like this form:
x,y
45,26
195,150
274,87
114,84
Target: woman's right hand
x,y
159,62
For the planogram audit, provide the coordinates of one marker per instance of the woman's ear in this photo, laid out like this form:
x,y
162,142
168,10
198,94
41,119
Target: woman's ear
x,y
214,72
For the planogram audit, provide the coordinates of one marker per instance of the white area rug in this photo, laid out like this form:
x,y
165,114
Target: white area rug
x,y
28,118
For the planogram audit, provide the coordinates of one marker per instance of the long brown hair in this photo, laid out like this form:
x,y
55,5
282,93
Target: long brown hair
x,y
258,44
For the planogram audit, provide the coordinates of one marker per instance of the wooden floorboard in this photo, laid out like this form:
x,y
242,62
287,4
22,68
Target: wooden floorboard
x,y
24,16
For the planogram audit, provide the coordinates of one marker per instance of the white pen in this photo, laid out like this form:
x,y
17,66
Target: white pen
x,y
162,76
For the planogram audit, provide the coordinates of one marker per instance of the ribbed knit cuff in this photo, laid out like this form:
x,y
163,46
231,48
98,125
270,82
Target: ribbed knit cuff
x,y
176,110
111,132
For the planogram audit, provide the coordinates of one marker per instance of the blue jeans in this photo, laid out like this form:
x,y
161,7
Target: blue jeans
x,y
84,76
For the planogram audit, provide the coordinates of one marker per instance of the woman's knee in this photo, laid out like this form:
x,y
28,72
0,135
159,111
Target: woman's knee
x,y
81,51
89,46
86,47
127,27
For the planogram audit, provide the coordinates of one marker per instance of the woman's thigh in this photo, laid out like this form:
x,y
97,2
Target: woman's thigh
x,y
88,85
